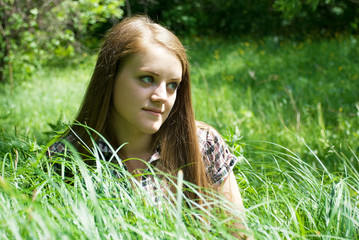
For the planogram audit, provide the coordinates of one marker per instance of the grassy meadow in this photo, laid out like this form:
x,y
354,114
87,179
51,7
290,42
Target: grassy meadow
x,y
289,110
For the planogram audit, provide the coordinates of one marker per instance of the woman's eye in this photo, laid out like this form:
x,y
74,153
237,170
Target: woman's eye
x,y
147,79
173,86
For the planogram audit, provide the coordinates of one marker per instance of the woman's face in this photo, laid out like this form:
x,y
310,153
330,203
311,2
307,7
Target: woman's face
x,y
145,90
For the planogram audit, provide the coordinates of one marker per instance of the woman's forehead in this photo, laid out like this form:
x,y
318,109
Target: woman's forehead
x,y
156,59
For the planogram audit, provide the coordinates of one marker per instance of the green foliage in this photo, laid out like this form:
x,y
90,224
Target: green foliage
x,y
239,18
285,197
38,32
315,15
37,107
289,109
278,90
291,199
38,202
211,16
291,9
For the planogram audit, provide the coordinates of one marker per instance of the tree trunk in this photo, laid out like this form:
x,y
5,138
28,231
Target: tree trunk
x,y
128,7
5,58
4,54
2,64
5,49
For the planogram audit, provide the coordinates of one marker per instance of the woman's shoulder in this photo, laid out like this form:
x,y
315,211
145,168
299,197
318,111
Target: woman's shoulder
x,y
218,159
207,133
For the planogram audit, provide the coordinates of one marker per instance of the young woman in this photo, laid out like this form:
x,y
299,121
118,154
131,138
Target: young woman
x,y
139,94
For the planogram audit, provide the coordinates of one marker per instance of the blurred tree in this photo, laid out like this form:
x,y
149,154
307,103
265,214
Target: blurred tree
x,y
34,32
234,18
319,15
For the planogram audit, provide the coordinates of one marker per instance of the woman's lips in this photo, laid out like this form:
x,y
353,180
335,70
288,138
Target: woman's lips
x,y
153,111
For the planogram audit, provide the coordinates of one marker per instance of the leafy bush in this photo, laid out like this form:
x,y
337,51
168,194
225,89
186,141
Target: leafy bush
x,y
38,32
238,18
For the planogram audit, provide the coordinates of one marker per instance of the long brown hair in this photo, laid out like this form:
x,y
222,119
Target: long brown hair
x,y
178,135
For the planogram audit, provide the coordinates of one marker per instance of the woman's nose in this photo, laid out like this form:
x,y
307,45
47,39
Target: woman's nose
x,y
160,93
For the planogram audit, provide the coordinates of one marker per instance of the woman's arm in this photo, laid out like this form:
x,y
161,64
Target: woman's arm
x,y
230,190
219,163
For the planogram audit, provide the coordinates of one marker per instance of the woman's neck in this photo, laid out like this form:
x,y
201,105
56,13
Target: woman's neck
x,y
137,145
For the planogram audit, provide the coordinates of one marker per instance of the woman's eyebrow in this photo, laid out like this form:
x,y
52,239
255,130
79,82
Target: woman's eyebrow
x,y
157,74
149,71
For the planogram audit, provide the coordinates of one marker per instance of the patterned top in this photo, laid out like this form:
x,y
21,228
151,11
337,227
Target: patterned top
x,y
218,160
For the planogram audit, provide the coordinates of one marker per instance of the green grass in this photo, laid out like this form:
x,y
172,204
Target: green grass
x,y
290,108
279,90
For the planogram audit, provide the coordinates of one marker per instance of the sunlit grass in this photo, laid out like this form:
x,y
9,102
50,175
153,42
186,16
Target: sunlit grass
x,y
38,202
297,200
52,94
277,89
286,198
290,108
